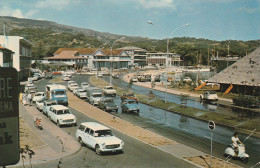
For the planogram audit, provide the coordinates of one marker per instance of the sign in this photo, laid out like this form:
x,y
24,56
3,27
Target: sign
x,y
9,117
211,125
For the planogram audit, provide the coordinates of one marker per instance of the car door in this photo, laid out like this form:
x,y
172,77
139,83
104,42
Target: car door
x,y
85,136
92,141
80,131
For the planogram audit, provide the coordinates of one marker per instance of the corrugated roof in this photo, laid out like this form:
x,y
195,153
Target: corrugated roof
x,y
243,72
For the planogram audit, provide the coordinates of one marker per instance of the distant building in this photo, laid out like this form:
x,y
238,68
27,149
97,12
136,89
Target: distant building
x,y
138,55
83,58
6,57
243,75
159,58
22,49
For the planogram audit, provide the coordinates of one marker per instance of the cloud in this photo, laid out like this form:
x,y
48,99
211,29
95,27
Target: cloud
x,y
157,4
6,11
56,4
247,10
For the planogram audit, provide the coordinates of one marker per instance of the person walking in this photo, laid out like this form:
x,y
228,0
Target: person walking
x,y
29,99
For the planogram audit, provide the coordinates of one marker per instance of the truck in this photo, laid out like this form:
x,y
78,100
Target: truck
x,y
94,94
57,93
109,90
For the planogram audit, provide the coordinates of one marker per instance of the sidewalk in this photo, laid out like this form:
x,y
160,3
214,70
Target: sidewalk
x,y
162,143
55,143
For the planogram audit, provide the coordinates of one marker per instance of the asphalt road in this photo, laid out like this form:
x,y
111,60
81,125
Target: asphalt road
x,y
181,136
136,154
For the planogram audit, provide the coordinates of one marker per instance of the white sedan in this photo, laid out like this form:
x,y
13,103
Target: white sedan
x,y
38,96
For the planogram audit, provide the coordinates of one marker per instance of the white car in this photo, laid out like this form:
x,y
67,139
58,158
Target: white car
x,y
39,104
100,75
81,93
109,90
187,79
46,106
209,96
61,115
38,96
72,86
98,137
65,78
85,85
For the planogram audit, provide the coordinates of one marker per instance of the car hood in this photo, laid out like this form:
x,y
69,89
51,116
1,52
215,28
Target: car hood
x,y
108,140
111,105
132,106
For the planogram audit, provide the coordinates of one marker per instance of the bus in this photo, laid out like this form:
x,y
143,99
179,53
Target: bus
x,y
57,93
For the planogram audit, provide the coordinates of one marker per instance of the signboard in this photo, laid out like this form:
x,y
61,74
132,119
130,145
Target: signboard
x,y
9,117
211,125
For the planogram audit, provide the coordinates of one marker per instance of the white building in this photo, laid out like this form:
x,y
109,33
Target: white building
x,y
160,58
138,55
22,49
83,58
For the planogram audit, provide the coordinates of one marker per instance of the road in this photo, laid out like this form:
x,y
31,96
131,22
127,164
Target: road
x,y
136,153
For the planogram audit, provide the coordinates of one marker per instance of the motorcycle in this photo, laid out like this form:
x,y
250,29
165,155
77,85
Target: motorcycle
x,y
231,152
38,123
242,155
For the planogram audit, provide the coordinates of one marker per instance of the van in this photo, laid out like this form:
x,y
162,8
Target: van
x,y
57,93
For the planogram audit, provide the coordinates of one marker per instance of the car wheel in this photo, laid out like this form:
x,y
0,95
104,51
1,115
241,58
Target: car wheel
x,y
97,149
80,141
58,123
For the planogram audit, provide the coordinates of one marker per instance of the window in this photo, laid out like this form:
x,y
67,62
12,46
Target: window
x,y
87,130
91,132
81,128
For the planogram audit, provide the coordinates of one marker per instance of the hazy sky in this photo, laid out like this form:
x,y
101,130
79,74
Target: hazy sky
x,y
211,19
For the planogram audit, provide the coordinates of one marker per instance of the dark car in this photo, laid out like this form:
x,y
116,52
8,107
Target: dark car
x,y
157,78
107,104
48,76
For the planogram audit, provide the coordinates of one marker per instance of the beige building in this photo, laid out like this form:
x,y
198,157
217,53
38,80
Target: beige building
x,y
22,49
160,58
6,57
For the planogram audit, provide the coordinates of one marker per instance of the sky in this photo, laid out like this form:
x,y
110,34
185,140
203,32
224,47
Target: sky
x,y
210,19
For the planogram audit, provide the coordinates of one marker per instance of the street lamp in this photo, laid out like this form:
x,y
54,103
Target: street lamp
x,y
111,51
167,54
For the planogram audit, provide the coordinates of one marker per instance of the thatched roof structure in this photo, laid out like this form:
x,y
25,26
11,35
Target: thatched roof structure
x,y
243,72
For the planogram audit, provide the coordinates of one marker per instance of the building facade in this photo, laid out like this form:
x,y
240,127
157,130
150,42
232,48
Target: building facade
x,y
22,49
89,58
6,57
160,58
138,55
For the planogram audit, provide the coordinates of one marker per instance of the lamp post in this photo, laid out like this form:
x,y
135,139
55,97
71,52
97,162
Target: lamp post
x,y
167,54
111,52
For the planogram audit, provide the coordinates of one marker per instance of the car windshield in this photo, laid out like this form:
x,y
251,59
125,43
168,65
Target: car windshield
x,y
131,102
130,95
212,92
103,133
97,95
39,94
60,92
108,101
60,112
109,88
82,91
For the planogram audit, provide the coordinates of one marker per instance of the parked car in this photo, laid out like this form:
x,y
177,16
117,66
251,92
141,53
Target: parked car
x,y
94,94
61,115
85,85
81,93
157,78
148,77
133,79
38,96
107,104
48,76
65,78
115,76
100,75
39,104
109,90
187,79
72,86
209,96
177,80
46,106
98,137
130,105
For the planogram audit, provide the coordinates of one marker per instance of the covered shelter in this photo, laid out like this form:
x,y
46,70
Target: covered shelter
x,y
242,77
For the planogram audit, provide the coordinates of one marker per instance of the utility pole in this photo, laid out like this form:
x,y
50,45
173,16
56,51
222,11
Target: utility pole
x,y
208,54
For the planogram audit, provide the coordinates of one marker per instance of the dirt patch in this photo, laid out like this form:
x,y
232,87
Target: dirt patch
x,y
204,161
56,80
28,137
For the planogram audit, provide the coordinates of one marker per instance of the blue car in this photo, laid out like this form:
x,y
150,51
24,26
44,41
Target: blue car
x,y
130,105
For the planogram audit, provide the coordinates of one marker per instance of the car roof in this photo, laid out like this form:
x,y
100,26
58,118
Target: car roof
x,y
59,107
95,126
129,100
49,101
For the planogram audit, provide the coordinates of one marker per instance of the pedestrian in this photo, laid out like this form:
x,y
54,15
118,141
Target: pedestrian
x,y
29,99
24,99
21,97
